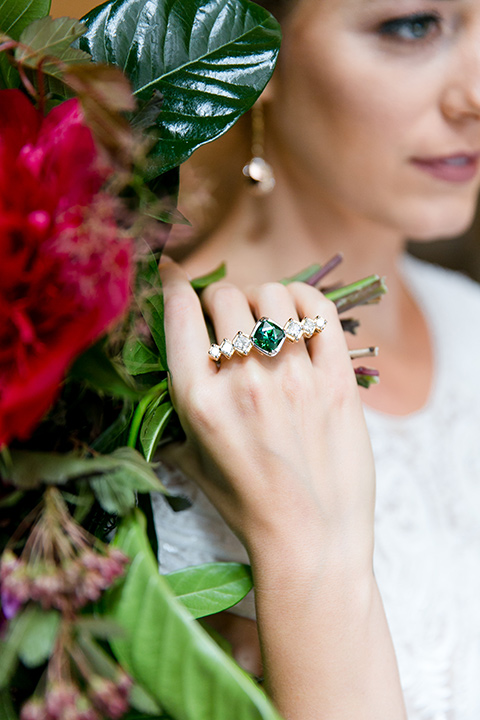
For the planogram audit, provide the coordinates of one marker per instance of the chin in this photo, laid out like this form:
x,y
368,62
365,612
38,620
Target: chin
x,y
441,221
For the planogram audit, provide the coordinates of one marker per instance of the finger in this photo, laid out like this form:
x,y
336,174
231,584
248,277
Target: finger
x,y
228,309
186,334
274,301
329,346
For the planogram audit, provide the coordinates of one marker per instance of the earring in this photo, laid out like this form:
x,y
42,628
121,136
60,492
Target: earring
x,y
258,171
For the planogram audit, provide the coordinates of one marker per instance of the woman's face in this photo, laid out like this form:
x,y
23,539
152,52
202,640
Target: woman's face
x,y
377,104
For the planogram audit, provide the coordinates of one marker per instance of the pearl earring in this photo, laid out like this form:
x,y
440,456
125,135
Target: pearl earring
x,y
258,171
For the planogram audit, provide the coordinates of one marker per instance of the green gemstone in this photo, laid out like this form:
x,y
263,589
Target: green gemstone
x,y
268,337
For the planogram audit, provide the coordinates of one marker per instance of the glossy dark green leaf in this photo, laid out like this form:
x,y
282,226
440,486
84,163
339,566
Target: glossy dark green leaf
x,y
51,37
154,423
15,15
37,645
167,651
99,371
210,59
210,588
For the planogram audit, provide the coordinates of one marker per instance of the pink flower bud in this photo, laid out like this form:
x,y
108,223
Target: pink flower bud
x,y
85,709
59,698
124,683
106,697
34,710
8,563
48,588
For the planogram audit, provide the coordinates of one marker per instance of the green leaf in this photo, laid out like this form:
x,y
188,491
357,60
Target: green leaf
x,y
37,645
30,469
15,15
7,711
140,359
206,280
98,370
143,701
209,60
151,304
210,588
167,651
117,433
99,627
47,38
154,423
11,499
17,634
116,490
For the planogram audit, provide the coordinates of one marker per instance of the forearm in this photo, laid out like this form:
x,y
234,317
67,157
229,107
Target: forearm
x,y
326,646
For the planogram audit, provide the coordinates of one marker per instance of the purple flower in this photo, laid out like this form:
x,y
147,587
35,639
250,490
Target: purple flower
x,y
10,604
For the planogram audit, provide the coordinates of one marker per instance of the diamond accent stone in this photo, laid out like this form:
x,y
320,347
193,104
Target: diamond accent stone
x,y
293,330
242,343
309,327
227,348
320,323
267,337
215,353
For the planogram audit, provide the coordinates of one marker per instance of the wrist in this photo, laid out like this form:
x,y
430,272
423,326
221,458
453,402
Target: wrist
x,y
309,559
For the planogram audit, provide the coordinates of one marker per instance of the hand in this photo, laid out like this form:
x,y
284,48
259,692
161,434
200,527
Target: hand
x,y
279,445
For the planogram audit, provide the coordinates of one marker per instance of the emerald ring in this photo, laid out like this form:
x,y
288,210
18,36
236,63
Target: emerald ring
x,y
267,337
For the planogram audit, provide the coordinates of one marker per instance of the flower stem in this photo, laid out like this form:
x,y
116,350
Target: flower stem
x,y
361,292
142,406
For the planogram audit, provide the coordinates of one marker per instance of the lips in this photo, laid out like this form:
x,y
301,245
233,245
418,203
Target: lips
x,y
458,168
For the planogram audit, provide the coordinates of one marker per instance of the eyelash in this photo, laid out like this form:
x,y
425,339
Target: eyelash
x,y
405,29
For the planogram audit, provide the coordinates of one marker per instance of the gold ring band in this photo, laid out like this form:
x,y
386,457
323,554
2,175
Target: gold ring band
x,y
267,337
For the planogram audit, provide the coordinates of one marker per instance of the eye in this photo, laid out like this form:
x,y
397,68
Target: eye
x,y
411,28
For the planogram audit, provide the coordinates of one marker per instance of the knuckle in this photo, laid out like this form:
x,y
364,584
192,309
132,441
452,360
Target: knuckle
x,y
197,401
248,389
341,387
268,291
297,288
293,383
222,295
177,306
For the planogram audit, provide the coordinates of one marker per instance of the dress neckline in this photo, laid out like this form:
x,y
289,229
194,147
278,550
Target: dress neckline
x,y
413,273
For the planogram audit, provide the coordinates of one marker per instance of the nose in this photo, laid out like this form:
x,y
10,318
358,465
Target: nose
x,y
461,96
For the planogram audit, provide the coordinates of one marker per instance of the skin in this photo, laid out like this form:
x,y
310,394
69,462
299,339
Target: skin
x,y
361,90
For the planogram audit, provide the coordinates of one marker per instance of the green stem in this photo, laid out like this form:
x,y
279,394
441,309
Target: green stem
x,y
361,292
142,406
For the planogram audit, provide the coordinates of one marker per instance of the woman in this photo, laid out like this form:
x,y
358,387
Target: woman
x,y
372,129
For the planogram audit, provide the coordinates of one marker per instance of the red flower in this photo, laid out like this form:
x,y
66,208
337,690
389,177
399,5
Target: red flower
x,y
65,269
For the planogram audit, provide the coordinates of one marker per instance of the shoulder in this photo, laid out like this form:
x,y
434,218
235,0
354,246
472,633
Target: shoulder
x,y
449,298
451,305
447,286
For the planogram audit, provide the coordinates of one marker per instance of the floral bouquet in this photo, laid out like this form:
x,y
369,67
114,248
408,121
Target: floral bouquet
x,y
89,157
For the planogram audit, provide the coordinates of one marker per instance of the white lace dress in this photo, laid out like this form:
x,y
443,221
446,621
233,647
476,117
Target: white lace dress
x,y
427,556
